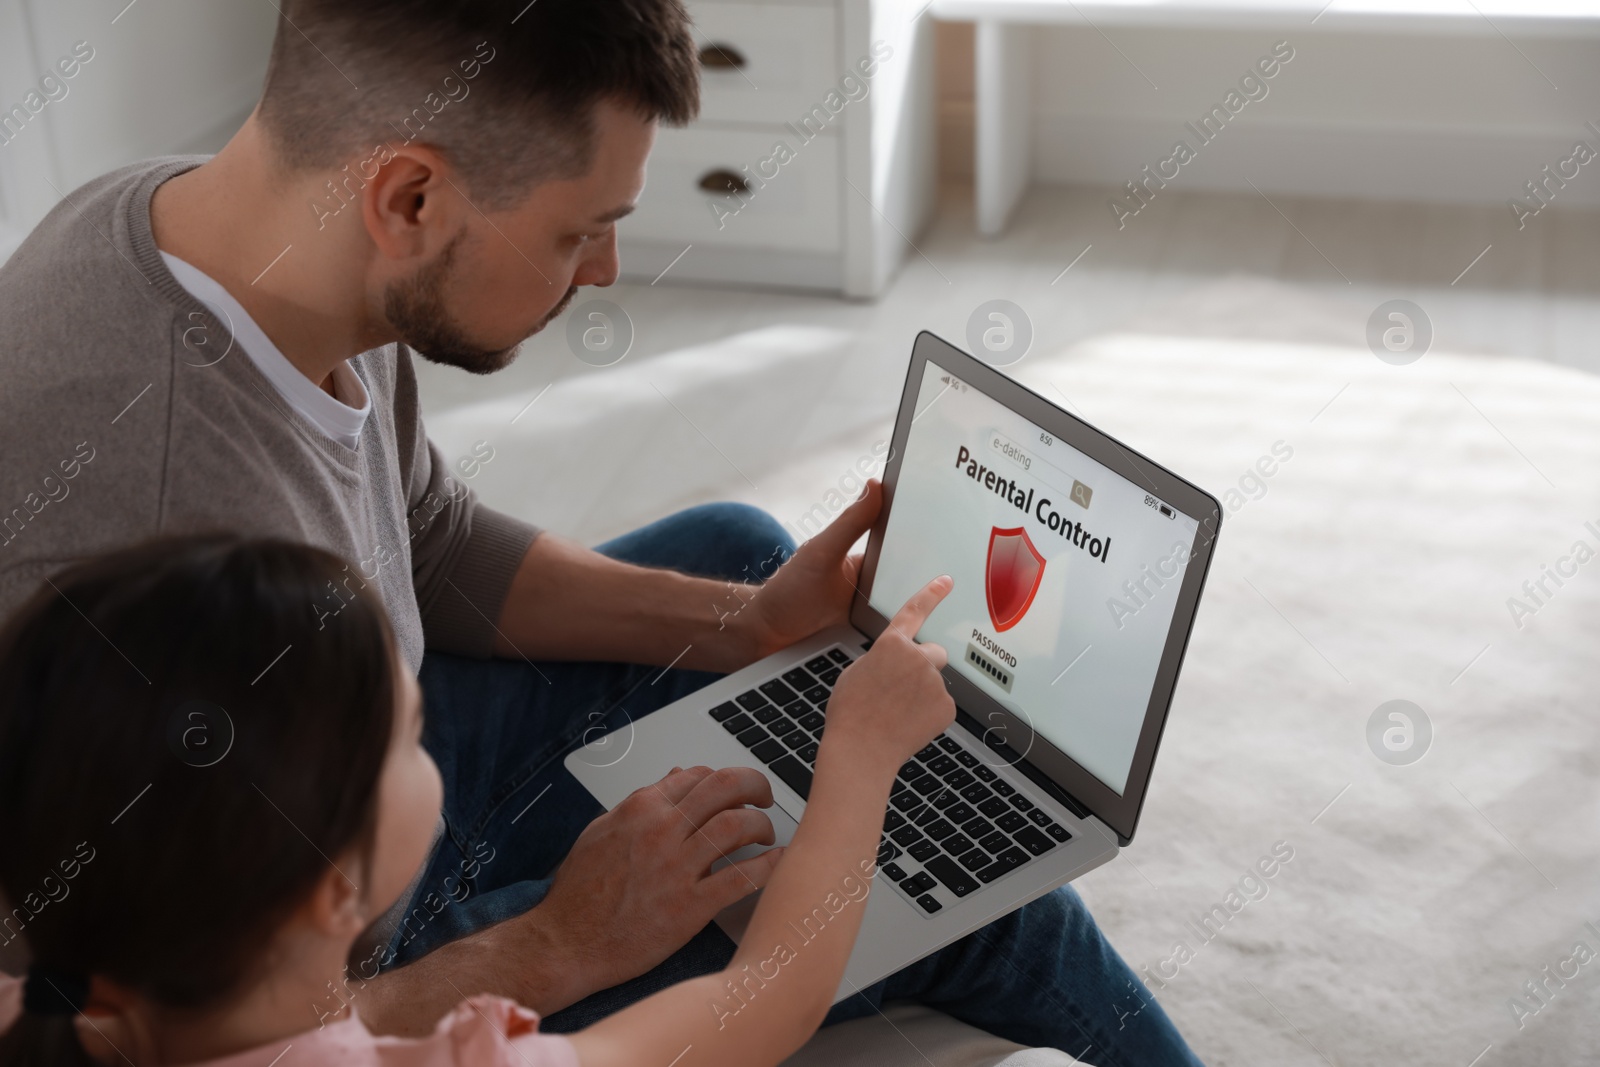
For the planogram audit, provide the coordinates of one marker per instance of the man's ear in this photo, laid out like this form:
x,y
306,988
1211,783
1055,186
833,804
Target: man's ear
x,y
336,906
414,205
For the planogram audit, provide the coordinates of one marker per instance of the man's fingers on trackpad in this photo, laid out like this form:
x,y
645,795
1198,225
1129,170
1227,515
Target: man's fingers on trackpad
x,y
736,828
783,828
678,783
729,787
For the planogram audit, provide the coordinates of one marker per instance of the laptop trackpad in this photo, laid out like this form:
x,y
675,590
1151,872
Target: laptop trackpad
x,y
736,916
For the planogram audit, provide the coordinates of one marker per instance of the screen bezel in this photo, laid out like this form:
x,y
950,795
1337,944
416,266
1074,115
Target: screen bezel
x,y
1118,811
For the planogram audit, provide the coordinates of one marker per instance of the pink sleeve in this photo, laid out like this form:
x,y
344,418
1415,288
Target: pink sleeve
x,y
491,1031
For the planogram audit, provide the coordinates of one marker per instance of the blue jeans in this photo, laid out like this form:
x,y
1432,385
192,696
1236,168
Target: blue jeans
x,y
499,729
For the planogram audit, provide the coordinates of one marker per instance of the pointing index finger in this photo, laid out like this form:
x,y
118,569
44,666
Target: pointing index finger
x,y
909,619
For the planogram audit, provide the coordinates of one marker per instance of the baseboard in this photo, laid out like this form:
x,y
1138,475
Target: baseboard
x,y
1356,160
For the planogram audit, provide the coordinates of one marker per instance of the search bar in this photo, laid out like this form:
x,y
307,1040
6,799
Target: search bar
x,y
1047,472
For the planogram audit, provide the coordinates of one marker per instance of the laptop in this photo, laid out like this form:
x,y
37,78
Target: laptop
x,y
1078,567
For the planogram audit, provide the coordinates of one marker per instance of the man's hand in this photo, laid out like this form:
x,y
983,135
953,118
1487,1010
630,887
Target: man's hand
x,y
637,884
813,588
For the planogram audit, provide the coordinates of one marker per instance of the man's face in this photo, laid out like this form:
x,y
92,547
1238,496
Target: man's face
x,y
507,274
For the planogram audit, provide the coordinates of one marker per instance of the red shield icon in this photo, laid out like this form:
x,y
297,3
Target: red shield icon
x,y
1012,576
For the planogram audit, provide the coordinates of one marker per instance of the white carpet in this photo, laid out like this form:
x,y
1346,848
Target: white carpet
x,y
596,454
1376,565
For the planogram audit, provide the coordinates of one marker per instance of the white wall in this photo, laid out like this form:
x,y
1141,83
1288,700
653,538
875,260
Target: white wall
x,y
167,76
904,138
1447,117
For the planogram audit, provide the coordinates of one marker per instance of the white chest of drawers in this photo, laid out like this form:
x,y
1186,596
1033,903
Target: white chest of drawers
x,y
812,162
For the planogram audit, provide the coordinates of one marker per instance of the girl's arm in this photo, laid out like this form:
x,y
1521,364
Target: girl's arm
x,y
774,994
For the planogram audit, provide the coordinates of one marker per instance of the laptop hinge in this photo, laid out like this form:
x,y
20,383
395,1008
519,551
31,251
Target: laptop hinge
x,y
990,740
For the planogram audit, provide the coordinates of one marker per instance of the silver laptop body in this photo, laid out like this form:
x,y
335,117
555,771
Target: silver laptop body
x,y
1064,645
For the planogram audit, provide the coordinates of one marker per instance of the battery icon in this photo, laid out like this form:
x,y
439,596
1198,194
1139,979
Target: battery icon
x,y
1168,512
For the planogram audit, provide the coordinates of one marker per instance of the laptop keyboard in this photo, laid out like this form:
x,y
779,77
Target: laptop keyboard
x,y
953,824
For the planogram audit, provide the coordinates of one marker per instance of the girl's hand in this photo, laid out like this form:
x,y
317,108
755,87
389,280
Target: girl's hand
x,y
885,706
892,701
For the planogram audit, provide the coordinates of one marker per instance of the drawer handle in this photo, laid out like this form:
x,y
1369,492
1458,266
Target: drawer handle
x,y
724,181
721,57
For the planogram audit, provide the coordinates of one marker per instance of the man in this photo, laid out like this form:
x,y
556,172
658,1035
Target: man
x,y
227,342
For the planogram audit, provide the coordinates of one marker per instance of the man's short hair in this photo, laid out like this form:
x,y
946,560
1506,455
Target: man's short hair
x,y
506,89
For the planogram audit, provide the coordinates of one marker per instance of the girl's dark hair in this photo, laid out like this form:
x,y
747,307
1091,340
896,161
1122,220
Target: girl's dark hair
x,y
184,749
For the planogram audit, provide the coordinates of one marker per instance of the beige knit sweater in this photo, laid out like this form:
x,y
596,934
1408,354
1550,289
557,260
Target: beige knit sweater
x,y
118,421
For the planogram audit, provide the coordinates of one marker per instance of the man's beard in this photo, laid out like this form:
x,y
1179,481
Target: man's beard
x,y
416,311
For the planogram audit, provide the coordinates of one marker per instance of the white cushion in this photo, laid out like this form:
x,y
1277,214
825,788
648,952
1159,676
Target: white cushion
x,y
910,1035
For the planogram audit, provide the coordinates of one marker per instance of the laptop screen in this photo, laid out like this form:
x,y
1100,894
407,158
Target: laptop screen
x,y
1066,573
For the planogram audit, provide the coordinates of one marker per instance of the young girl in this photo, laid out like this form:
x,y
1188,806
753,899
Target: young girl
x,y
208,798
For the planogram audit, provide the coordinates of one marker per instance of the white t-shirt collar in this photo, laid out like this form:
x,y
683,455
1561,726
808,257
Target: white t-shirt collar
x,y
341,418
